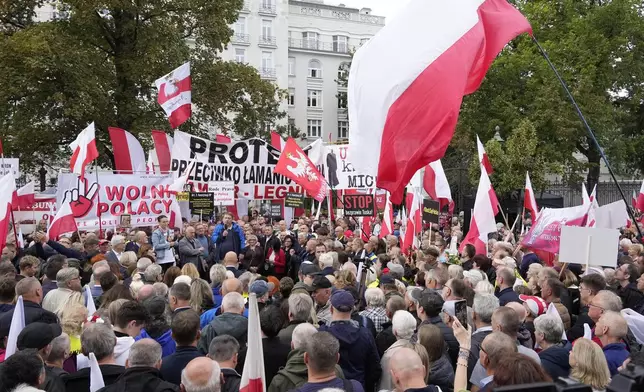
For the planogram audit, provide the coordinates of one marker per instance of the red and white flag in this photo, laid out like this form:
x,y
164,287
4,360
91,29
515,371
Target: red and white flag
x,y
436,185
277,141
414,220
129,156
223,139
529,202
24,197
253,378
294,164
7,191
387,226
483,158
175,220
432,53
545,233
640,198
163,149
175,95
482,222
153,162
84,150
63,222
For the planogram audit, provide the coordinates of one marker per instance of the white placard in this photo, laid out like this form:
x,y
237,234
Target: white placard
x,y
223,192
611,216
10,165
589,245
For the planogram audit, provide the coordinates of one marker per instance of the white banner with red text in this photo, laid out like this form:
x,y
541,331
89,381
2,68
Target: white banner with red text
x,y
40,213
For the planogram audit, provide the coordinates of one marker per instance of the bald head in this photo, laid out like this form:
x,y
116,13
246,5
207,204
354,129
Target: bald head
x,y
232,285
407,368
230,259
30,289
145,292
201,374
519,309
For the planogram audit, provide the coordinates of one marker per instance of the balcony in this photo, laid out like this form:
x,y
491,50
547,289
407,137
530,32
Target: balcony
x,y
268,73
267,40
240,39
267,9
315,45
245,7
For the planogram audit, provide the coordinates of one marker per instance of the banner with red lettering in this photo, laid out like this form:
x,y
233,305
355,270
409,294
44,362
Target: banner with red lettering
x,y
250,164
38,214
545,234
143,196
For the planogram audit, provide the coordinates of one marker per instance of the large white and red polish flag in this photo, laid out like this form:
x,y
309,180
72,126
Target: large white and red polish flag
x,y
483,158
387,226
640,198
407,83
436,185
486,206
24,197
163,150
175,95
129,156
277,141
7,191
414,220
529,202
63,222
253,378
84,150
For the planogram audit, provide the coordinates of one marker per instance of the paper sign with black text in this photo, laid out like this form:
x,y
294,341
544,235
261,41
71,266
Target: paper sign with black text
x,y
201,202
431,211
276,210
358,205
223,192
294,200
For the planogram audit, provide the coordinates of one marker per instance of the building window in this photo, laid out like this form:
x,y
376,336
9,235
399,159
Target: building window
x,y
291,66
340,44
343,71
267,29
310,40
343,129
240,55
291,97
315,69
240,26
314,128
314,98
267,60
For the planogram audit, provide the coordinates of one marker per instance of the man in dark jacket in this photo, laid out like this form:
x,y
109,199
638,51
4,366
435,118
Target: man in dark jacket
x,y
185,332
299,311
230,322
505,280
589,286
359,357
228,237
430,306
275,350
142,371
627,275
31,292
7,293
38,336
224,350
555,352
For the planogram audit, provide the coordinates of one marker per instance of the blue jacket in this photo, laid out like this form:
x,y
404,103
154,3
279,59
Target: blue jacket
x,y
616,354
172,365
216,296
238,236
507,295
359,358
209,315
555,360
168,346
160,243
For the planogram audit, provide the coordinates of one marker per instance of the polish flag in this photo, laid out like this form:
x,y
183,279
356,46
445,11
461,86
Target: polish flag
x,y
163,148
634,200
7,191
529,202
277,141
178,185
129,156
387,226
483,158
24,197
436,185
640,198
175,95
176,219
253,378
63,222
432,53
365,226
294,164
482,222
403,228
16,326
21,239
414,220
153,162
223,139
84,150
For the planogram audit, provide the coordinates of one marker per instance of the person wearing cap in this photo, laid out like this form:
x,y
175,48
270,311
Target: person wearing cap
x,y
38,336
308,272
535,307
261,289
321,293
589,286
359,358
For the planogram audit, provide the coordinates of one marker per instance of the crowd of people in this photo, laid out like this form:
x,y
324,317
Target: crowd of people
x,y
337,311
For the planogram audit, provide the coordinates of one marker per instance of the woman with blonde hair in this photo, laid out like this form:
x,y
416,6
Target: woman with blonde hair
x,y
345,278
190,270
533,276
128,259
201,298
588,365
72,320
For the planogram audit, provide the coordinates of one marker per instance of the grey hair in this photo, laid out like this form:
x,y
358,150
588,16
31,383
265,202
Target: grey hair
x,y
302,334
484,288
98,338
609,300
245,279
299,306
403,324
143,263
326,260
152,272
213,384
455,271
233,302
223,348
98,264
217,274
65,275
160,289
484,305
472,276
374,297
144,353
550,326
117,239
59,347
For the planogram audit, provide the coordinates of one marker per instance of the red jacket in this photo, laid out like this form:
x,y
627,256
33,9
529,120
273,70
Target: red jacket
x,y
280,261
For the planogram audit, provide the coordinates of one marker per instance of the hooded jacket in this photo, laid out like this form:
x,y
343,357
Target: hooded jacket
x,y
359,357
232,324
141,379
294,373
168,346
554,360
441,374
121,352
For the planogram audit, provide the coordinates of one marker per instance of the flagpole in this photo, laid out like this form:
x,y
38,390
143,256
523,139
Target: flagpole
x,y
98,204
15,231
590,131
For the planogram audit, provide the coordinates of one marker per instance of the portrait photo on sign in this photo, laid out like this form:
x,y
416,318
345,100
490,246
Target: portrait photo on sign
x,y
125,220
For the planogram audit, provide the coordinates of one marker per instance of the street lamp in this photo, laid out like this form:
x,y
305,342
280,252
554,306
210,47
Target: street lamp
x,y
497,134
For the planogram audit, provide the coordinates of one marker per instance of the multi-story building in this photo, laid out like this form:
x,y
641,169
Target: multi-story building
x,y
303,46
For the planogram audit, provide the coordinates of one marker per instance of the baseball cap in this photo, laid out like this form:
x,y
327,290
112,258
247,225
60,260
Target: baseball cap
x,y
38,335
301,287
431,302
321,282
259,287
536,304
396,268
342,301
387,279
309,269
415,293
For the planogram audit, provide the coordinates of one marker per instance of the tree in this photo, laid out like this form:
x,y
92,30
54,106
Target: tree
x,y
98,62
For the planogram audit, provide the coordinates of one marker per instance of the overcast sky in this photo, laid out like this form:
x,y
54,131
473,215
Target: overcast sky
x,y
386,8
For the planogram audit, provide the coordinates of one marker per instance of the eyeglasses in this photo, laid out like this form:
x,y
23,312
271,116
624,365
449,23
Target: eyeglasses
x,y
595,306
483,350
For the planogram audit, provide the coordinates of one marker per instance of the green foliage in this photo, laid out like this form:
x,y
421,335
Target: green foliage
x,y
99,63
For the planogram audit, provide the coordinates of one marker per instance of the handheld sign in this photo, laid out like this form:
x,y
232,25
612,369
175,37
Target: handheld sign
x,y
294,200
358,205
431,211
589,246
